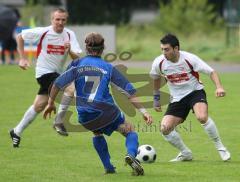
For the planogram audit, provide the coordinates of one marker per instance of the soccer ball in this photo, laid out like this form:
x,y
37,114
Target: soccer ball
x,y
146,154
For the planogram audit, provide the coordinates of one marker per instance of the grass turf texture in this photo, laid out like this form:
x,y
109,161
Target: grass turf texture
x,y
46,156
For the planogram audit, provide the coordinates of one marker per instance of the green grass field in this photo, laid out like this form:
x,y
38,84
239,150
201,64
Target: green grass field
x,y
46,156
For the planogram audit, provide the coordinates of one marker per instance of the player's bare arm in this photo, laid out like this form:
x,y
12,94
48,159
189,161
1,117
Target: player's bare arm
x,y
23,62
135,101
156,94
51,106
72,54
220,92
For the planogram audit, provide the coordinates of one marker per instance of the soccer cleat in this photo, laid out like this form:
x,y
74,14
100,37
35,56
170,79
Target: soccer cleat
x,y
182,157
224,154
110,171
15,139
60,128
135,165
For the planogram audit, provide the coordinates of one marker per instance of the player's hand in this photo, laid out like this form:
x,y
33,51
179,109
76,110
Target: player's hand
x,y
148,118
220,92
67,46
48,110
24,64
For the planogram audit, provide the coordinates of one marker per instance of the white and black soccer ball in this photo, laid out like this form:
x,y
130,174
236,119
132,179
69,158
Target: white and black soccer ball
x,y
146,154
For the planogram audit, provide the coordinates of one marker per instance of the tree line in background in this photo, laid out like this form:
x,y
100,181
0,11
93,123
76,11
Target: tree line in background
x,y
189,17
117,11
184,16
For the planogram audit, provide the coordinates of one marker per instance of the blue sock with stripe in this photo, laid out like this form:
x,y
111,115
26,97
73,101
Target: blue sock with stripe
x,y
132,143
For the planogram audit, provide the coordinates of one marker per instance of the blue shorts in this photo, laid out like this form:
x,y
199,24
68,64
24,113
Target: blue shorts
x,y
90,121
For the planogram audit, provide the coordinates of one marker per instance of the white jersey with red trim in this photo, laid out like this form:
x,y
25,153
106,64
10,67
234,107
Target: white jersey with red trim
x,y
182,77
52,55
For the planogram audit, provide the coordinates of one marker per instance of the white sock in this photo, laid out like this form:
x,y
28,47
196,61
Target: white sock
x,y
175,139
28,117
212,132
63,107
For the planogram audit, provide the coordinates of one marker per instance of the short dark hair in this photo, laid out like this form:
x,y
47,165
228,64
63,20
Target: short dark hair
x,y
170,39
94,44
60,10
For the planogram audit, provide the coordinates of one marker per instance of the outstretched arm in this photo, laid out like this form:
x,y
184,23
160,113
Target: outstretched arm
x,y
59,84
72,54
135,101
23,62
127,88
220,92
51,106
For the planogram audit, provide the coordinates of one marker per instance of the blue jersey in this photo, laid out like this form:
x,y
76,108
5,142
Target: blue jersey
x,y
92,76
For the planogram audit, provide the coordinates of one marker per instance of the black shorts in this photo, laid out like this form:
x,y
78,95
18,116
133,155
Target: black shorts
x,y
45,82
182,108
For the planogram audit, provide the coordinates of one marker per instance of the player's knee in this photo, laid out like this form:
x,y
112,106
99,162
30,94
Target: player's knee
x,y
126,128
39,107
202,118
165,129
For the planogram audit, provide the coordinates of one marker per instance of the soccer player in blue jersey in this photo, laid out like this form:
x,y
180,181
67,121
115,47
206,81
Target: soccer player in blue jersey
x,y
95,106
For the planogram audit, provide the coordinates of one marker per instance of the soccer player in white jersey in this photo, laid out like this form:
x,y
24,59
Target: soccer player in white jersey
x,y
180,70
55,42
